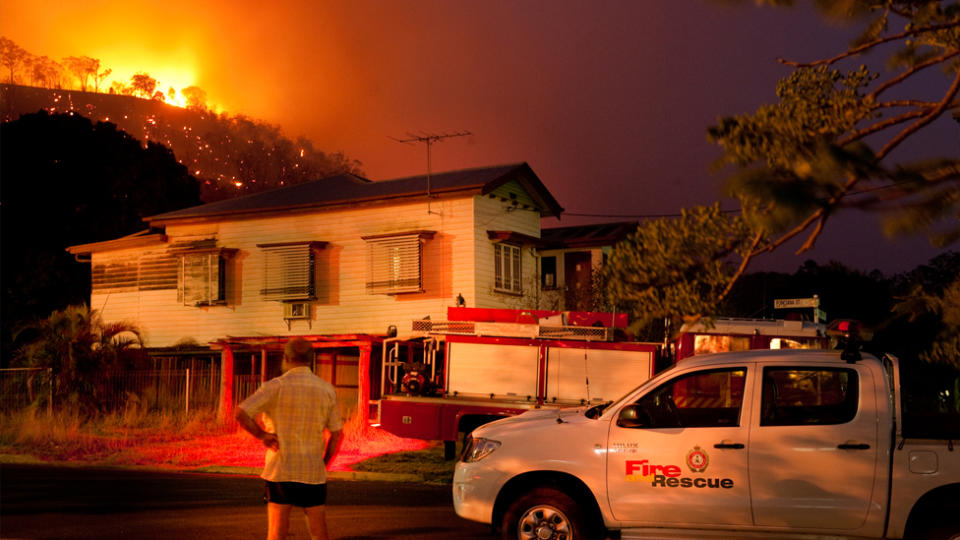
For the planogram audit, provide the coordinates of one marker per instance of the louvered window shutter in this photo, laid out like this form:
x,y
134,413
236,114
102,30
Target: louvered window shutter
x,y
289,272
394,265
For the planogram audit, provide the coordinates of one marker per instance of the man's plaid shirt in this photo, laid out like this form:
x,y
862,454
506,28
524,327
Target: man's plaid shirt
x,y
298,405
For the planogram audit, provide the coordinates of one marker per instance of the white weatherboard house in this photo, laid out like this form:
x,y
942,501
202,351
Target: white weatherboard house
x,y
337,261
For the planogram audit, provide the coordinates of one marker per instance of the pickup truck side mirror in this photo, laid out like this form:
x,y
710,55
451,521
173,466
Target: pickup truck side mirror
x,y
633,416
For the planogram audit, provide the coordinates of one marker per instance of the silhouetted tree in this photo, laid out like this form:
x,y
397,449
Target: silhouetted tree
x,y
143,85
67,181
196,98
45,72
925,320
99,76
12,56
83,68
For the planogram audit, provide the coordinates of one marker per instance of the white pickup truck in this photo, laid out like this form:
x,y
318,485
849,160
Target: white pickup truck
x,y
759,444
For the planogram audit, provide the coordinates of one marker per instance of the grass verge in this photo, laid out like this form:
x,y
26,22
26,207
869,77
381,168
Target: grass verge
x,y
197,441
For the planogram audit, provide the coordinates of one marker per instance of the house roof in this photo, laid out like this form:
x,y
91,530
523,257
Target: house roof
x,y
583,236
350,189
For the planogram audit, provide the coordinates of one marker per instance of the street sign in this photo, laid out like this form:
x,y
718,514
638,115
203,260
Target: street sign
x,y
791,303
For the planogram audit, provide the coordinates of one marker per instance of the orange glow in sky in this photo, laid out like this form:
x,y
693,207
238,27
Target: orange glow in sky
x,y
609,102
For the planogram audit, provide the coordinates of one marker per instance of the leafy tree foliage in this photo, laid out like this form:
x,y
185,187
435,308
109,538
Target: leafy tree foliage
x,y
925,320
81,351
676,269
68,181
823,146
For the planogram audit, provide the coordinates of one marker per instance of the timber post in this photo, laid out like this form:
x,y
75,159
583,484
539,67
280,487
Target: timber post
x,y
225,404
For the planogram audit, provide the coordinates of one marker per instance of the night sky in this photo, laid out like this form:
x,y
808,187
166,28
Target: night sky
x,y
608,102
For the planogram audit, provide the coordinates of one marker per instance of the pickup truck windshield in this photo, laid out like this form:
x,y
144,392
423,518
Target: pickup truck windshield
x,y
597,410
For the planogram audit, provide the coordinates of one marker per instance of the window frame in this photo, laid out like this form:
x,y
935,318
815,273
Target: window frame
x,y
215,295
850,406
296,264
395,262
508,255
735,421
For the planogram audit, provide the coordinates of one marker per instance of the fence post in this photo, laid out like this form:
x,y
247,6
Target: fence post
x,y
187,405
50,392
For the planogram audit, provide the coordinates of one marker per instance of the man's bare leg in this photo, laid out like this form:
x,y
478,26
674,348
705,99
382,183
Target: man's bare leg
x,y
317,522
278,521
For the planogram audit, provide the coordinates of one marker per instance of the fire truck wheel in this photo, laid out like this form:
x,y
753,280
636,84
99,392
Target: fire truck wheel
x,y
544,513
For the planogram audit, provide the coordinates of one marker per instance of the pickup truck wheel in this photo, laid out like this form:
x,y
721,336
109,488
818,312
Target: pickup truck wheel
x,y
940,531
544,514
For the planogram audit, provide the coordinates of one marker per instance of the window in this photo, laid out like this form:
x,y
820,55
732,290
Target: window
x,y
202,279
289,270
703,399
548,272
707,343
804,396
798,343
506,266
395,263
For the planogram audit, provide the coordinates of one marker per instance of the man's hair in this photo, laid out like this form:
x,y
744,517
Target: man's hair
x,y
299,351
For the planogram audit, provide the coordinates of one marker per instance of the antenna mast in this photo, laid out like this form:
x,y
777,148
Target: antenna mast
x,y
428,139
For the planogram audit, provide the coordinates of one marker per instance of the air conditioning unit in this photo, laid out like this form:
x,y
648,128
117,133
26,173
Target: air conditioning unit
x,y
296,310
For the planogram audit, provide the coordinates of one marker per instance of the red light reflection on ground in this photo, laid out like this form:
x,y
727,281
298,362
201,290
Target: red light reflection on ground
x,y
239,449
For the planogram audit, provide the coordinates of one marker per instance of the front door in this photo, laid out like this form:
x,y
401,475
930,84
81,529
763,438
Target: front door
x,y
813,447
578,280
684,460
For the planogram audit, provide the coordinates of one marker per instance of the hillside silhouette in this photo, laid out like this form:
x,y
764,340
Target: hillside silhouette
x,y
231,155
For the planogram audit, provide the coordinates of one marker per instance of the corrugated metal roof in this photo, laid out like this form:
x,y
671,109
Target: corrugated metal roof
x,y
349,188
593,235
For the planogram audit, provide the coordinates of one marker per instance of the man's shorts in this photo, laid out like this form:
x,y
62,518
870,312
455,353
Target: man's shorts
x,y
295,493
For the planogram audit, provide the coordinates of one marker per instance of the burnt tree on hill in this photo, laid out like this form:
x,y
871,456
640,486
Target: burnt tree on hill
x,y
68,181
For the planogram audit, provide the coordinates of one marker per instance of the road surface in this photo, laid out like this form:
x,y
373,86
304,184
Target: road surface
x,y
66,503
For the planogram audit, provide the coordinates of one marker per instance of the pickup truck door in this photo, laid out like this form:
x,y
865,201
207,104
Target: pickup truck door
x,y
813,447
676,455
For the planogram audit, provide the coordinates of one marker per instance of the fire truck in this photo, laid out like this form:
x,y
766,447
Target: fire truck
x,y
446,378
449,377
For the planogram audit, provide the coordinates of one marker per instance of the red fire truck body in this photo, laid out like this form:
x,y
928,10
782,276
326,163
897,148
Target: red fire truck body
x,y
452,376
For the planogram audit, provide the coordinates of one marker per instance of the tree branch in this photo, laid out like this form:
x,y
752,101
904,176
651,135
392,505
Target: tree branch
x,y
870,45
880,126
900,103
743,266
903,76
790,234
821,215
812,239
929,117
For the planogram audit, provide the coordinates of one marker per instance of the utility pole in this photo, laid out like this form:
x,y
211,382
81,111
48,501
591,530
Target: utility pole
x,y
428,139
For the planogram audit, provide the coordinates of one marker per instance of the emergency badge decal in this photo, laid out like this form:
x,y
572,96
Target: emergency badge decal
x,y
697,460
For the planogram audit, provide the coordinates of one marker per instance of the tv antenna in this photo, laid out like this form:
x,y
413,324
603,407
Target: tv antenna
x,y
428,139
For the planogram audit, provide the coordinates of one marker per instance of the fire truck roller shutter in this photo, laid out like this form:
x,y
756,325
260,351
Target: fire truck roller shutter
x,y
611,373
486,368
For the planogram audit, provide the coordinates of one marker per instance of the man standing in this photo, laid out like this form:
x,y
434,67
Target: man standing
x,y
299,406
